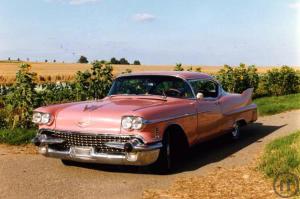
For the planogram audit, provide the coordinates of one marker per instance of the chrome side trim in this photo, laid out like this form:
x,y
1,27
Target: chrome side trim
x,y
169,118
139,147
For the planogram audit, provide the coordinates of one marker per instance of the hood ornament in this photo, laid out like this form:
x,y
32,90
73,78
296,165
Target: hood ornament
x,y
84,123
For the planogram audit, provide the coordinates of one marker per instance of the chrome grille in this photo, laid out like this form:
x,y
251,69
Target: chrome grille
x,y
97,140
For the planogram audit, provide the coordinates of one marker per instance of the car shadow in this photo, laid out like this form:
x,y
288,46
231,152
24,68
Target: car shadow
x,y
202,154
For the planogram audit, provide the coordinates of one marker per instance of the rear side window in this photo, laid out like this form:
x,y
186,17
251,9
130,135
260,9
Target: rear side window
x,y
206,87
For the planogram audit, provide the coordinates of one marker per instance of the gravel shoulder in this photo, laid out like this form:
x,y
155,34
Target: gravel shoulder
x,y
24,174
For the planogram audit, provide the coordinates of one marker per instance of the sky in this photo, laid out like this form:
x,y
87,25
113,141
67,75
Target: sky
x,y
198,32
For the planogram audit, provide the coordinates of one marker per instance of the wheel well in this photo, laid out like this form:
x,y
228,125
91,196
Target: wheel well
x,y
241,122
178,132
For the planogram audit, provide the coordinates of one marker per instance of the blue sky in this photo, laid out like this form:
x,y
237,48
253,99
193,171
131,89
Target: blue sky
x,y
205,32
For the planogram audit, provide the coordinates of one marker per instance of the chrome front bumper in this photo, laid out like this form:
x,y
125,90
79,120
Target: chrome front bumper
x,y
140,154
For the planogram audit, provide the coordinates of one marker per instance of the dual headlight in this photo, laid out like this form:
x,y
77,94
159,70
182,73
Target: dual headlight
x,y
41,118
131,122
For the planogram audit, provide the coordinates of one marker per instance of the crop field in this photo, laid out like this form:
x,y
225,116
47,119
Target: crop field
x,y
66,71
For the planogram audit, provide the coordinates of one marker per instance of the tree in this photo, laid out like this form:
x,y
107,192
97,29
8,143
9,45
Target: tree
x,y
136,62
114,61
83,60
123,61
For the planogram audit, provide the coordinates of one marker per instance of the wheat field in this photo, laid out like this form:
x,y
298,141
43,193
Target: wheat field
x,y
67,71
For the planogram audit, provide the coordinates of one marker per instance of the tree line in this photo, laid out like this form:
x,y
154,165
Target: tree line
x,y
113,60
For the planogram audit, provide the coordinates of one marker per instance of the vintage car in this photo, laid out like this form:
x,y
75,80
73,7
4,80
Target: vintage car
x,y
147,118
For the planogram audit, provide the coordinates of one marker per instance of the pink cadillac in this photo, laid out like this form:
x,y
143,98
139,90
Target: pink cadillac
x,y
147,118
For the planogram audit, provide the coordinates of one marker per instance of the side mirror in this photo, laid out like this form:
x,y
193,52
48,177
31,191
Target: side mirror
x,y
199,96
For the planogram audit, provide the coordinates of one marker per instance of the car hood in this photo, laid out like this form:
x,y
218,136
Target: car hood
x,y
102,116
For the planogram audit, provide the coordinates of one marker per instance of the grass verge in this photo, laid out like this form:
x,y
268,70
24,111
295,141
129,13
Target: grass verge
x,y
16,136
273,105
282,155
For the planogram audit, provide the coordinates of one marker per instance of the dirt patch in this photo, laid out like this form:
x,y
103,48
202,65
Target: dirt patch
x,y
241,182
23,149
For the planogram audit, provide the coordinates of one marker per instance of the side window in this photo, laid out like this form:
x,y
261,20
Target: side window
x,y
206,87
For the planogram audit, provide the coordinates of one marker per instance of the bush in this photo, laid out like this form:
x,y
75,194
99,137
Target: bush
x,y
281,81
22,99
16,136
178,67
238,79
128,70
94,84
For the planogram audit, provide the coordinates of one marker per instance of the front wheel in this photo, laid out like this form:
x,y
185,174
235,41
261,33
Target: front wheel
x,y
172,152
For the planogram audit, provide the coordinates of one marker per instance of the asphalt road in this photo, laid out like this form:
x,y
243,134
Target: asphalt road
x,y
24,175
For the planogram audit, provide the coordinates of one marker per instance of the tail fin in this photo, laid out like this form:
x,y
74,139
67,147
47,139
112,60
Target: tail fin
x,y
247,94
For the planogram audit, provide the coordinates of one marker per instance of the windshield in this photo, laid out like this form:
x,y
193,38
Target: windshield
x,y
151,85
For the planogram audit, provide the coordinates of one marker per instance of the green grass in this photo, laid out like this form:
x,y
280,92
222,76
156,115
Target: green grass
x,y
273,105
16,136
282,155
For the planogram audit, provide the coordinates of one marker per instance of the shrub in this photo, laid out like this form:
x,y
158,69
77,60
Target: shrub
x,y
128,70
238,79
198,69
16,136
281,81
178,67
94,84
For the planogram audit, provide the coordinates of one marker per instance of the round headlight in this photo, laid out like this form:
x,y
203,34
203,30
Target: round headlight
x,y
37,117
137,123
127,122
46,117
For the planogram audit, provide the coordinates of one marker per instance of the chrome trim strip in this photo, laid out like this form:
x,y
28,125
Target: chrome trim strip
x,y
139,147
169,118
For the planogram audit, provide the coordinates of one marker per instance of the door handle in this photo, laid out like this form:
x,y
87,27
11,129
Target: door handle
x,y
217,102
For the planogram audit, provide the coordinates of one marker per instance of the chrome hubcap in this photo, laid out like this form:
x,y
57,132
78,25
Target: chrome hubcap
x,y
235,130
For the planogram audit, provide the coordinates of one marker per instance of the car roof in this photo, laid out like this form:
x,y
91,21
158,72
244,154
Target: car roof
x,y
180,74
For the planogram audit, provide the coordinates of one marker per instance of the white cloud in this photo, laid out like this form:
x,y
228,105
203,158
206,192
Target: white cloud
x,y
75,2
143,17
295,5
79,2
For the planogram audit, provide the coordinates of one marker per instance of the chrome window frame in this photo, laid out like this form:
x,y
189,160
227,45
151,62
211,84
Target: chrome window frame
x,y
220,89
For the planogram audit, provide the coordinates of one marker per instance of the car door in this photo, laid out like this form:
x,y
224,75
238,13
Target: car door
x,y
208,108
